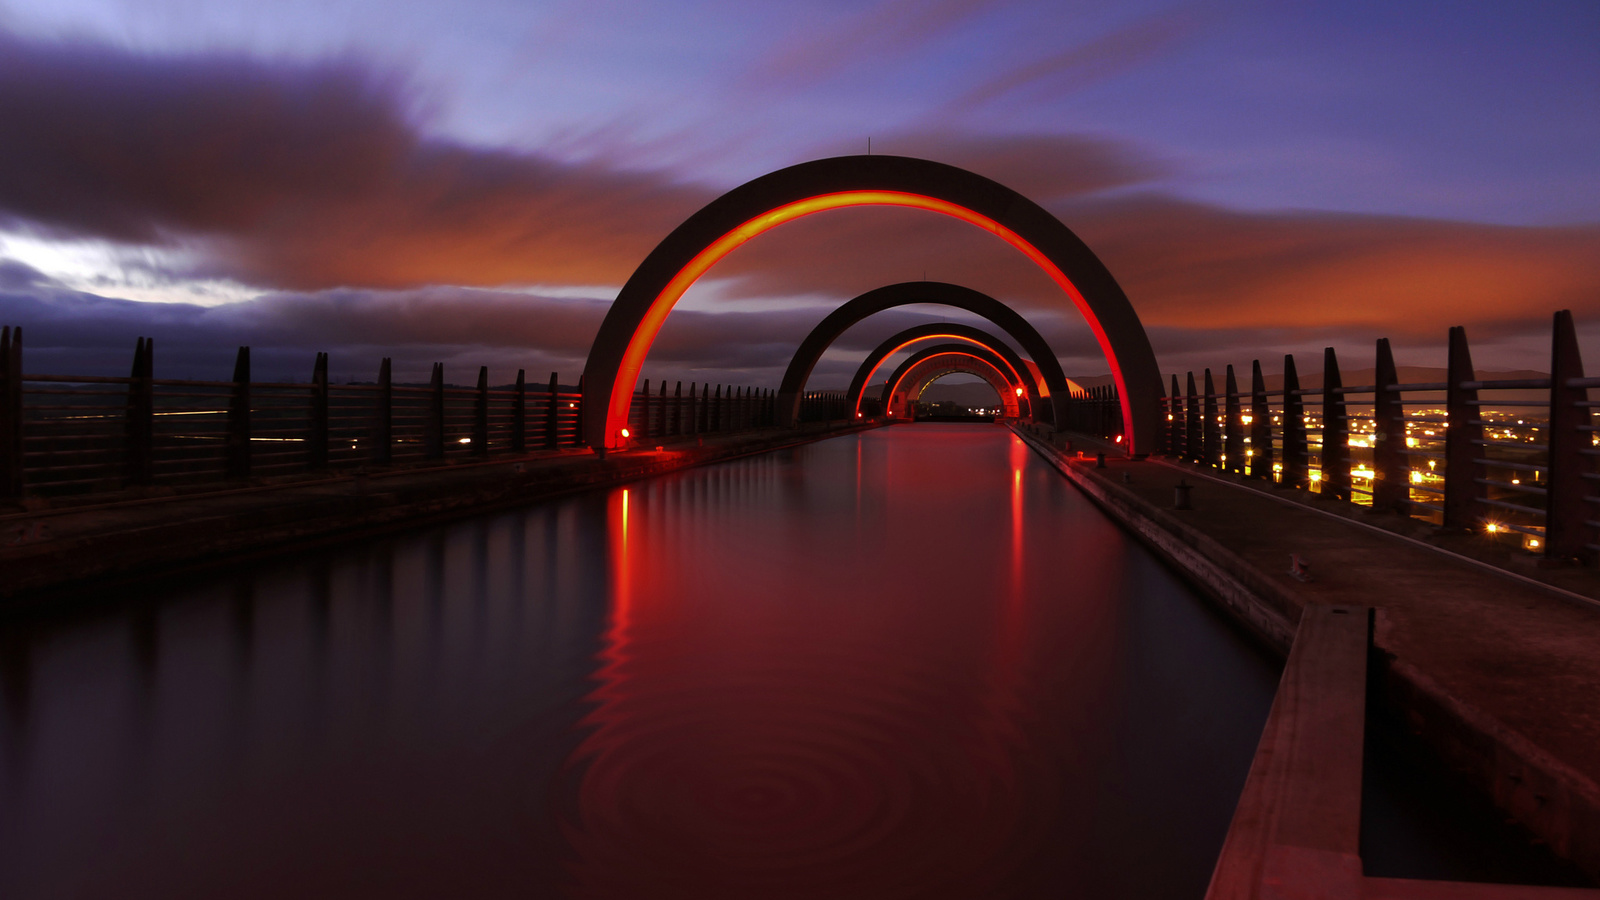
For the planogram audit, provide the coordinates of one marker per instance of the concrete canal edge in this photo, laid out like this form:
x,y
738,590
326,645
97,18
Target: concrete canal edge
x,y
1557,803
56,558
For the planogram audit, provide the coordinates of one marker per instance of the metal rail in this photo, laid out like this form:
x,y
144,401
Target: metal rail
x,y
1302,437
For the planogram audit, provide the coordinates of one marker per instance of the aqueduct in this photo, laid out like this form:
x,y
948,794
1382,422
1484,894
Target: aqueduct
x,y
1054,388
1006,358
926,366
646,299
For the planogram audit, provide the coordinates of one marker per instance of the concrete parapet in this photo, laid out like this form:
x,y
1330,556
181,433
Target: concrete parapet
x,y
51,557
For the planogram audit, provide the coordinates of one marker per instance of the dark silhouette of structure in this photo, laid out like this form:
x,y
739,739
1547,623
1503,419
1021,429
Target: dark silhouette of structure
x,y
923,368
1054,384
644,302
1006,358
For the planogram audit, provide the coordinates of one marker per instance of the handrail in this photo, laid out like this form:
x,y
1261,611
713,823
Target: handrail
x,y
1475,448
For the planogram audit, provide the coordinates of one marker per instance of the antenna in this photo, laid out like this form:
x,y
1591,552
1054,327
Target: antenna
x,y
869,146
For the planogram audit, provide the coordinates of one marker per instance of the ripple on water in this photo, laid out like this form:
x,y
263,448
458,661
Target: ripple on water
x,y
809,769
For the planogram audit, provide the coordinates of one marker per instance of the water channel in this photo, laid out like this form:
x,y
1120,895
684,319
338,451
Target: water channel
x,y
908,663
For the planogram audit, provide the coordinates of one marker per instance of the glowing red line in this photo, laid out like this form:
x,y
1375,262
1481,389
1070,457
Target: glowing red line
x,y
639,345
856,407
1004,400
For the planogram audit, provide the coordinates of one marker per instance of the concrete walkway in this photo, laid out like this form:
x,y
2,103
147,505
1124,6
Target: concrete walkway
x,y
1500,675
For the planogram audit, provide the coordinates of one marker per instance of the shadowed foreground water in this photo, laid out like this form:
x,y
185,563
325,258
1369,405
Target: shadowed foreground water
x,y
910,663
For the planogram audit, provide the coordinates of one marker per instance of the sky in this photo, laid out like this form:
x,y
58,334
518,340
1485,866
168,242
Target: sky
x,y
471,182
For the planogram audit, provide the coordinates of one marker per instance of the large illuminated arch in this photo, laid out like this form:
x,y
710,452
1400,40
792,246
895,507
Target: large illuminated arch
x,y
724,224
939,331
929,365
1055,386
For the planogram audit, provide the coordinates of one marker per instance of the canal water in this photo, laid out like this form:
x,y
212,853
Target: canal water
x,y
912,662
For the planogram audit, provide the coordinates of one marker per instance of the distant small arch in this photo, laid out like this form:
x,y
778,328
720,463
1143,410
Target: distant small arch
x,y
932,331
1052,382
928,365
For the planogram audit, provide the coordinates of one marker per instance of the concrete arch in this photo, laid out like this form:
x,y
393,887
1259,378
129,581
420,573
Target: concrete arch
x,y
934,330
917,382
1005,318
693,247
926,366
957,357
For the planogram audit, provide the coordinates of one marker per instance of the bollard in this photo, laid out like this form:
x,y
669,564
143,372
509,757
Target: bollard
x,y
1180,495
1099,460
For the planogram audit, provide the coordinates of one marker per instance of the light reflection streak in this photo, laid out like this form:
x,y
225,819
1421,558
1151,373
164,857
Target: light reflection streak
x,y
1019,460
622,572
773,728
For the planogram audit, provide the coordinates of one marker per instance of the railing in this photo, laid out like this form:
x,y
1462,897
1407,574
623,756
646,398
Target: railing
x,y
1098,410
702,411
823,406
67,434
1509,456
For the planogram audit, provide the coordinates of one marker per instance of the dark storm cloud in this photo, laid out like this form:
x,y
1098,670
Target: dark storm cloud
x,y
108,144
318,179
1197,267
305,176
74,332
17,276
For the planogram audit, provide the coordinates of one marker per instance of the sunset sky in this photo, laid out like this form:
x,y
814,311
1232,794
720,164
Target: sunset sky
x,y
471,181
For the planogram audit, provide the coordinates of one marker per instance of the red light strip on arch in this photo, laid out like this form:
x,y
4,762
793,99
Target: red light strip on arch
x,y
855,404
1006,397
645,335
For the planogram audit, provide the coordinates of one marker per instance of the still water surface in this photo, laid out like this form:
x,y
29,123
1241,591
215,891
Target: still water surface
x,y
908,663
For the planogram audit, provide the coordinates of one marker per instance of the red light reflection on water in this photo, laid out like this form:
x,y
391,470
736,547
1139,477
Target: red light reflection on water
x,y
1019,459
836,729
